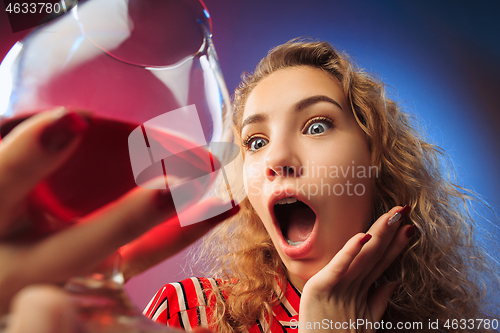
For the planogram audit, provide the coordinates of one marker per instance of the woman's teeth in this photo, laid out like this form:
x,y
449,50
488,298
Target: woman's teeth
x,y
292,243
286,201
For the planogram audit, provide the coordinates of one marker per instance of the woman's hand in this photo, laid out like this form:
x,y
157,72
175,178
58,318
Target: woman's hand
x,y
337,297
32,151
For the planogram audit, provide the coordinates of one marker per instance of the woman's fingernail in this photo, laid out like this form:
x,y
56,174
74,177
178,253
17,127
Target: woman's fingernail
x,y
164,201
403,212
411,231
62,132
365,239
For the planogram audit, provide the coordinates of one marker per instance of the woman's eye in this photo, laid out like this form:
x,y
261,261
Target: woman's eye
x,y
318,127
256,144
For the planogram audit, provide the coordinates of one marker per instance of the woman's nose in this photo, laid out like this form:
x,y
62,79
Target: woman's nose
x,y
282,161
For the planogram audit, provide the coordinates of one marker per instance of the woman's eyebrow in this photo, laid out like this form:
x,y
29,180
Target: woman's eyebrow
x,y
256,118
313,100
301,105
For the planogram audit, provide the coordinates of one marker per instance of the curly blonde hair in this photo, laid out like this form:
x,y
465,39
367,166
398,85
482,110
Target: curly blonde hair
x,y
439,274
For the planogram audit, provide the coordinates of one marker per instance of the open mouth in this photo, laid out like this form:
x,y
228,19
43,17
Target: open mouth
x,y
296,220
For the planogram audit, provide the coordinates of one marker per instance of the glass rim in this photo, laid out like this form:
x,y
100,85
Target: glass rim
x,y
206,30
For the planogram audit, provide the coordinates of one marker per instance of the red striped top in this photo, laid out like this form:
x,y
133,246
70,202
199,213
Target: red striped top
x,y
187,304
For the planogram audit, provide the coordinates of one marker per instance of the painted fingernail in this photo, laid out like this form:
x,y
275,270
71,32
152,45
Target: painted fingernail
x,y
411,231
365,239
62,132
164,201
399,215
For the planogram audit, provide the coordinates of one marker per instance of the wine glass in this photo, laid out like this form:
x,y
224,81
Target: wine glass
x,y
146,76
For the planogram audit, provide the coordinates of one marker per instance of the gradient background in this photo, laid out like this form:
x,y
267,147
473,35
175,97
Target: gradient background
x,y
440,59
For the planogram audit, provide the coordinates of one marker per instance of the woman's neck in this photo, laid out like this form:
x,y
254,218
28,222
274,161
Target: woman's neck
x,y
297,282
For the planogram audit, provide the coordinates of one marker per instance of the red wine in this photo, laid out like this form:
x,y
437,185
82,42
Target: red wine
x,y
100,170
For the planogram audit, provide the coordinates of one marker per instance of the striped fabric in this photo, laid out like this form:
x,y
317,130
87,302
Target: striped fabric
x,y
188,304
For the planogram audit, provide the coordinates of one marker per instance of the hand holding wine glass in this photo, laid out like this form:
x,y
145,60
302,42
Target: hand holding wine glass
x,y
28,154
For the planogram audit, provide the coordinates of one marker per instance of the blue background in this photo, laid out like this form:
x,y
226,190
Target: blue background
x,y
441,60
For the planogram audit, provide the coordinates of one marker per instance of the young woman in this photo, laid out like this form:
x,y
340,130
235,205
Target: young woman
x,y
349,222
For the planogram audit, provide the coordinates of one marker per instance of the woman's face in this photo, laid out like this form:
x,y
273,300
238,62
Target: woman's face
x,y
307,167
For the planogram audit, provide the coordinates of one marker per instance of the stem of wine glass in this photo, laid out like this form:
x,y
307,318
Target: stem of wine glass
x,y
102,304
107,277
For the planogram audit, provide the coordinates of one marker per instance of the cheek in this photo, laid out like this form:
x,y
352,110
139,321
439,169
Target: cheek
x,y
342,180
253,179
